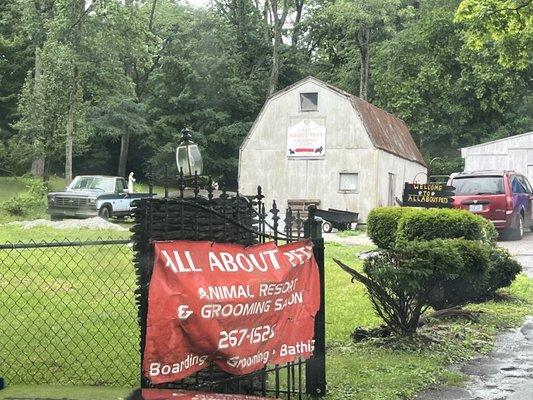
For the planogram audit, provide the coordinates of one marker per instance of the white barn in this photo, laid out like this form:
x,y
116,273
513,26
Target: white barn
x,y
314,142
512,153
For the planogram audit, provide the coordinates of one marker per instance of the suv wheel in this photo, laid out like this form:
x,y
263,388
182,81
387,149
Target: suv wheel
x,y
517,231
105,212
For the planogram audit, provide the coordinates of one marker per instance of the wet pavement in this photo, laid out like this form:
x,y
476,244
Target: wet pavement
x,y
507,372
522,250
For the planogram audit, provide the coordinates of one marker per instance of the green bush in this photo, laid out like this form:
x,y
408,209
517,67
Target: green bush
x,y
25,202
389,225
503,270
490,233
429,224
382,225
472,278
485,269
401,281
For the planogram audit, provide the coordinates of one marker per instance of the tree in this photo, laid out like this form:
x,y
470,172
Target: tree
x,y
449,94
349,30
506,23
43,106
203,83
278,11
16,57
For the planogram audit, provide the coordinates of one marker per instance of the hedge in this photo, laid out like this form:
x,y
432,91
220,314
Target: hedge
x,y
388,226
440,224
382,225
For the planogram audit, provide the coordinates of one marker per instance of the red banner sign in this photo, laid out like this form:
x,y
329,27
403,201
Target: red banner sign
x,y
238,307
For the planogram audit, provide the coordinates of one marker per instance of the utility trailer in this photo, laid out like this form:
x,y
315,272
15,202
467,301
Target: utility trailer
x,y
338,219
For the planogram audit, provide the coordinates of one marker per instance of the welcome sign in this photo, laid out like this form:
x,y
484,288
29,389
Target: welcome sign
x,y
429,195
238,307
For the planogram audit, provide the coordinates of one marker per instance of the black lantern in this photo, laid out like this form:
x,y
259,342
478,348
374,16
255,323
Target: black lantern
x,y
188,157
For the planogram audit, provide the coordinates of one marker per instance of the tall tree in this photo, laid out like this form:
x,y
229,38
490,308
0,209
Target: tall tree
x,y
449,94
277,12
347,27
203,84
143,47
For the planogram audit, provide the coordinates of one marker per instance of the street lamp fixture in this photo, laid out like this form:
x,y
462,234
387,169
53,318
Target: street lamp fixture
x,y
188,157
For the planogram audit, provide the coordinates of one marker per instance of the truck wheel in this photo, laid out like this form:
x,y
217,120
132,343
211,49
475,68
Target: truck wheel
x,y
516,232
105,212
327,227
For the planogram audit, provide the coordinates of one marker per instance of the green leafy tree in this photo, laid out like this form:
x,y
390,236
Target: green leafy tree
x,y
202,84
449,94
506,23
346,33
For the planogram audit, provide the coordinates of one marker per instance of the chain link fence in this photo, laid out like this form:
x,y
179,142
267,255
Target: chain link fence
x,y
68,314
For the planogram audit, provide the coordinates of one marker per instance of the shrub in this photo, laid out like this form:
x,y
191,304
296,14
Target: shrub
x,y
382,225
490,233
401,281
502,271
23,203
471,281
485,270
390,225
441,224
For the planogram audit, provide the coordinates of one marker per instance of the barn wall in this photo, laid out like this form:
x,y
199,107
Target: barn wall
x,y
404,171
514,153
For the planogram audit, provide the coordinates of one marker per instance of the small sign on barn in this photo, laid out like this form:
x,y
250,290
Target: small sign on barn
x,y
429,195
306,138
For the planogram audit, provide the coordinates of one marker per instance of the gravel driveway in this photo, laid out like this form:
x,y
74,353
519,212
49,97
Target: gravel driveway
x,y
522,250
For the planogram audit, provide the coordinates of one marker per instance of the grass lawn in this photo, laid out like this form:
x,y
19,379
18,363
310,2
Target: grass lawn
x,y
360,230
13,234
46,290
383,369
61,392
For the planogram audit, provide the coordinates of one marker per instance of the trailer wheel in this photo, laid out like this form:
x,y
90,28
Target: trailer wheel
x,y
327,227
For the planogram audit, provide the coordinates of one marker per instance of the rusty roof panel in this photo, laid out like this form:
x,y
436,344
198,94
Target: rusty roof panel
x,y
387,132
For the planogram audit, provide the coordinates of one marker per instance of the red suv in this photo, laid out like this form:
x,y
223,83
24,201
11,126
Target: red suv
x,y
504,197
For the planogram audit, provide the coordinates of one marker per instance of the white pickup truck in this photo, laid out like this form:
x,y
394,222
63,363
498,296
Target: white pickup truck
x,y
91,196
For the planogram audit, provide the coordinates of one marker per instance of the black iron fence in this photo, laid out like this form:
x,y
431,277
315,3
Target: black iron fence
x,y
67,313
196,213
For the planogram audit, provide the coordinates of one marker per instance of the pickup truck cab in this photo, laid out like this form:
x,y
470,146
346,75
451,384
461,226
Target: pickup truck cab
x,y
91,196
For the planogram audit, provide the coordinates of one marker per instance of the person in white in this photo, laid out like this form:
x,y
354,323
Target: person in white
x,y
131,179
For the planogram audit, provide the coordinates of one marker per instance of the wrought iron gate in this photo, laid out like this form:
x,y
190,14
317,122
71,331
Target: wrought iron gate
x,y
194,213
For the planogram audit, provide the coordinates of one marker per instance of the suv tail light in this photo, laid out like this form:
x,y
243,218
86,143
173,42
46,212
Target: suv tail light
x,y
509,203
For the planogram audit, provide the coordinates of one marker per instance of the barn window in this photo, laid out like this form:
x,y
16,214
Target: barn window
x,y
348,182
308,101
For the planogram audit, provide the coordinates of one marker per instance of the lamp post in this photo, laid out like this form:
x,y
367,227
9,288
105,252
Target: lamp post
x,y
188,157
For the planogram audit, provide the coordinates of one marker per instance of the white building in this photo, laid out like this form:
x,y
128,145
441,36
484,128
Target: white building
x,y
512,153
313,141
